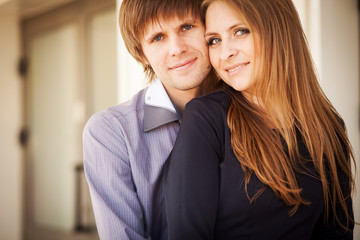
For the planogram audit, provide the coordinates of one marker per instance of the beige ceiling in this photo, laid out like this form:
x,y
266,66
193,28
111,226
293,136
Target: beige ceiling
x,y
28,8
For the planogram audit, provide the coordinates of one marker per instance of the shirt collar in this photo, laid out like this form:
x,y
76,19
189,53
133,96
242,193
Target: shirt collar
x,y
159,110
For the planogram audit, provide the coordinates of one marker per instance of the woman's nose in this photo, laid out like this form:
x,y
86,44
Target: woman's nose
x,y
227,51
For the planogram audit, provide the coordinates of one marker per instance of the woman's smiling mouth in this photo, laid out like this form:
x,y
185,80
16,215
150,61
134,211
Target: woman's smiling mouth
x,y
236,68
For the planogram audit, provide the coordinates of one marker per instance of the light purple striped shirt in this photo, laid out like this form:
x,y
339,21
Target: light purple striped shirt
x,y
125,148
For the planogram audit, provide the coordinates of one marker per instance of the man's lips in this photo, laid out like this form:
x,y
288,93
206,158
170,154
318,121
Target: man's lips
x,y
183,65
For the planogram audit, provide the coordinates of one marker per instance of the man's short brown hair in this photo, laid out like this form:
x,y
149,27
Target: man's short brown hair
x,y
136,15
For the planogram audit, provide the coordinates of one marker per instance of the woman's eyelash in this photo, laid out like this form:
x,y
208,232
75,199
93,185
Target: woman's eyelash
x,y
237,32
242,31
213,40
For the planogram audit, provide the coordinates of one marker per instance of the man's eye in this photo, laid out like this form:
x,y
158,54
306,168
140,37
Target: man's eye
x,y
187,27
241,31
158,38
213,41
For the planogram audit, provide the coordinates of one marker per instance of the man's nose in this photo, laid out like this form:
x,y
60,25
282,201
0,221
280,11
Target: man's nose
x,y
177,46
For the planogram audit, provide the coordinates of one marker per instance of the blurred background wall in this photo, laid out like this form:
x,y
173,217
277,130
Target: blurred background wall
x,y
74,64
11,190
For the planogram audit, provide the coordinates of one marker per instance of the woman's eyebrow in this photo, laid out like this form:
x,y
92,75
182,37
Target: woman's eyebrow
x,y
208,34
228,29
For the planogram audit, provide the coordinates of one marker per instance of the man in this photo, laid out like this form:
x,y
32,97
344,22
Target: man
x,y
126,146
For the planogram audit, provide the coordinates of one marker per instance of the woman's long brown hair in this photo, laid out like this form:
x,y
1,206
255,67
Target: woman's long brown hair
x,y
291,101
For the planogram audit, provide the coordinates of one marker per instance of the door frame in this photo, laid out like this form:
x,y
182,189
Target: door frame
x,y
78,12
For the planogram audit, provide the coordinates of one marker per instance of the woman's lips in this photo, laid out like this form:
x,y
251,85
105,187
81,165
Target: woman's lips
x,y
236,68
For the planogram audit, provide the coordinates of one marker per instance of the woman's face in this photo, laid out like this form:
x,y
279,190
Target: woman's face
x,y
231,47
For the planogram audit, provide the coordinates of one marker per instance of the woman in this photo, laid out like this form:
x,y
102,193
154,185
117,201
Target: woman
x,y
267,157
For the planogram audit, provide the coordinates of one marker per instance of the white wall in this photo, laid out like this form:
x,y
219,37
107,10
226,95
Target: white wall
x,y
53,151
10,124
332,29
130,74
103,60
340,70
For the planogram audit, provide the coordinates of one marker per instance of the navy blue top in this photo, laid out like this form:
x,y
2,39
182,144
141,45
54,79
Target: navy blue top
x,y
205,192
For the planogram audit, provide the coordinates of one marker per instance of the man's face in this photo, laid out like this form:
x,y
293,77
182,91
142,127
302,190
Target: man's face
x,y
177,52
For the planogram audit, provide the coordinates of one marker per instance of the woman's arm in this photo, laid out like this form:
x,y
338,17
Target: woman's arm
x,y
192,173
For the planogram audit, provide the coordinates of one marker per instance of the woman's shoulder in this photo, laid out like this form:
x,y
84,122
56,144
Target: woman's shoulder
x,y
210,109
215,100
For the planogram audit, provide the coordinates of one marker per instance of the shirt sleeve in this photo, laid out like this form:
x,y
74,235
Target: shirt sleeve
x,y
192,175
117,210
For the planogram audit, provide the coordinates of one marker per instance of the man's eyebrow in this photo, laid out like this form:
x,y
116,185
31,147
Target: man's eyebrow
x,y
188,20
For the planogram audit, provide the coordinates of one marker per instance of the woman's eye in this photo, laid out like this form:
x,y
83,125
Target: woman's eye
x,y
241,31
213,41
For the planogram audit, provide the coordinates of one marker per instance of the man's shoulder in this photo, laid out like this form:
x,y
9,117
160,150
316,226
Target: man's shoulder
x,y
134,106
129,111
